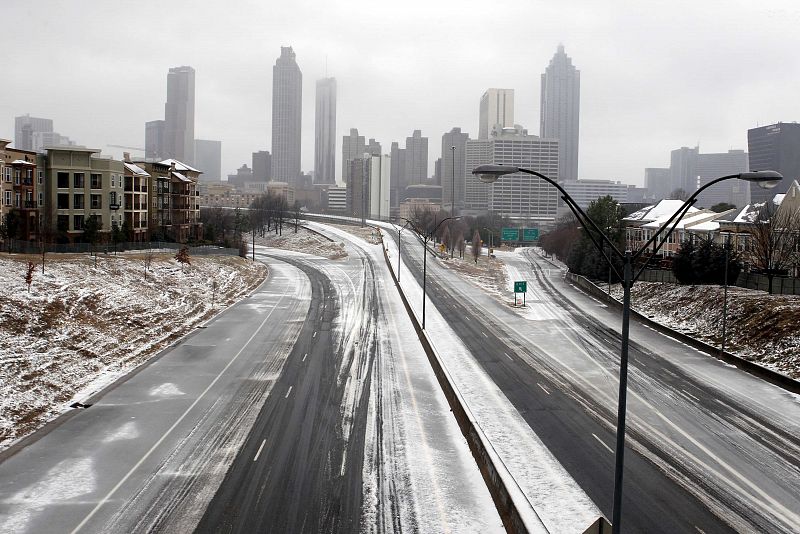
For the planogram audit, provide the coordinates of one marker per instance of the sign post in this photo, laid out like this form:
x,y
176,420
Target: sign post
x,y
520,287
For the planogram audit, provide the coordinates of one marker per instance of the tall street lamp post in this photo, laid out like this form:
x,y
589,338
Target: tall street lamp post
x,y
490,173
425,238
399,244
727,245
491,242
453,193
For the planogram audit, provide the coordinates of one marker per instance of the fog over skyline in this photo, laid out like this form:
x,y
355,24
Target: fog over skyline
x,y
655,76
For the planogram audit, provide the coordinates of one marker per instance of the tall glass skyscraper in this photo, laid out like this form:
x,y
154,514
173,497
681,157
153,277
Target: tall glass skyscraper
x,y
325,132
560,111
179,115
287,105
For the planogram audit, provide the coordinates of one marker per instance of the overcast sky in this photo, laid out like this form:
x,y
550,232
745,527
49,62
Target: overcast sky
x,y
655,75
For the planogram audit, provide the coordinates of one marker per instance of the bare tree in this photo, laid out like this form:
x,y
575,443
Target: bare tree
x,y
774,240
476,246
462,245
29,274
183,257
147,260
296,213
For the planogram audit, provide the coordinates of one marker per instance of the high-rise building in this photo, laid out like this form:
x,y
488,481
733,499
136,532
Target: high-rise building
x,y
208,159
416,159
325,132
657,182
24,128
712,166
262,165
397,168
287,105
353,147
776,148
453,168
497,107
154,140
373,148
516,196
40,141
560,111
179,115
683,170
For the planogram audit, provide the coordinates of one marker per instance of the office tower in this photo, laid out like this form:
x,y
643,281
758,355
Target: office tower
x,y
262,166
453,169
287,100
353,147
325,132
776,148
24,128
416,159
373,148
179,115
516,196
208,159
497,107
560,111
657,182
683,170
154,147
397,167
712,166
43,140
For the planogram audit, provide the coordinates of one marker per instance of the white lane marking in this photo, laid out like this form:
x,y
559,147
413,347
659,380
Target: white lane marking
x,y
304,356
164,436
315,334
509,357
465,317
690,395
288,392
258,453
543,388
700,530
484,335
602,443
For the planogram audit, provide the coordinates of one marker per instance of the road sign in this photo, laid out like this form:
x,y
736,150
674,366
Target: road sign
x,y
530,234
521,287
509,234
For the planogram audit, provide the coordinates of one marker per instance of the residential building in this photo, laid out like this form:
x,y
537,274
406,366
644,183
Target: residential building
x,y
287,106
353,147
641,225
453,169
497,107
21,191
80,185
776,148
325,132
174,200
136,203
154,140
224,195
179,115
24,128
262,166
560,111
208,158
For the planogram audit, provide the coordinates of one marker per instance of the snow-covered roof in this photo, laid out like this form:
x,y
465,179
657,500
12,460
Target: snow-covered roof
x,y
22,162
179,165
699,220
180,177
651,213
135,169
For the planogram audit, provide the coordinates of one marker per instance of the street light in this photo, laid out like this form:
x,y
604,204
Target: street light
x,y
490,173
453,193
425,237
399,244
491,242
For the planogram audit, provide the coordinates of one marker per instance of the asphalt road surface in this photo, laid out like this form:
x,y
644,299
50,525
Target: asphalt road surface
x,y
709,449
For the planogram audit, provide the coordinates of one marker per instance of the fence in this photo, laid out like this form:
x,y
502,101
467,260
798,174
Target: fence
x,y
28,247
781,285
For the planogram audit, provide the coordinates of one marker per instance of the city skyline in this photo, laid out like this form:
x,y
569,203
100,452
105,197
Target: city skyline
x,y
643,91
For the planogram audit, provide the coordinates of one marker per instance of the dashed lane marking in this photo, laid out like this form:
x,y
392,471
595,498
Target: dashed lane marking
x,y
542,388
602,443
304,356
258,453
288,392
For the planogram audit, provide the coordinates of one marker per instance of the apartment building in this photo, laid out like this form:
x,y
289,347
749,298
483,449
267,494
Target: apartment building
x,y
21,186
174,200
135,205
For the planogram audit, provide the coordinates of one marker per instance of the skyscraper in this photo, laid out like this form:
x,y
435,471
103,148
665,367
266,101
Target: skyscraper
x,y
560,111
24,128
776,148
397,169
416,159
154,140
179,115
208,158
325,132
262,165
453,168
287,100
352,148
497,107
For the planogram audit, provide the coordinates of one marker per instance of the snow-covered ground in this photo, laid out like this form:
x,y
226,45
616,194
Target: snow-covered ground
x,y
303,240
760,327
81,326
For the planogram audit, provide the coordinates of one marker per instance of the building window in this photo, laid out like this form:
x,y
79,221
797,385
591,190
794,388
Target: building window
x,y
7,173
63,180
77,202
62,201
17,200
40,177
96,201
77,180
29,174
77,222
17,175
7,199
62,223
96,181
41,199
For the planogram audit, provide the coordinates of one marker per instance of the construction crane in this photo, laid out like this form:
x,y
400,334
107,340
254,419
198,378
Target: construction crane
x,y
128,147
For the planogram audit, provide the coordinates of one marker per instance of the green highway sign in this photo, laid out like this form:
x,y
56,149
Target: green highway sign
x,y
509,234
521,287
530,234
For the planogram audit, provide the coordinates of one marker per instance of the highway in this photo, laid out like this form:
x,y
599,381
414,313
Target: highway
x,y
308,407
710,448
